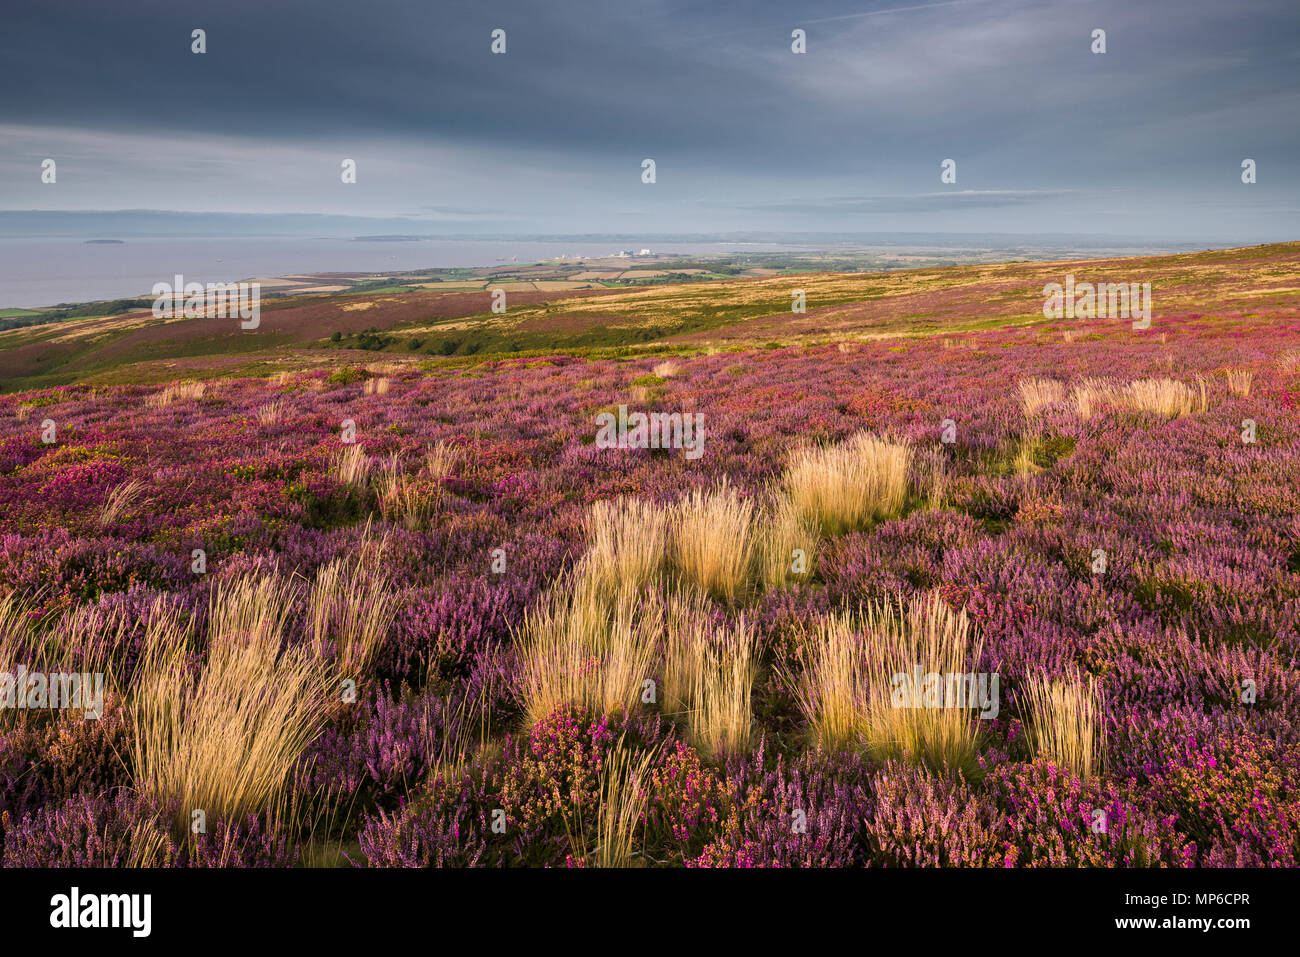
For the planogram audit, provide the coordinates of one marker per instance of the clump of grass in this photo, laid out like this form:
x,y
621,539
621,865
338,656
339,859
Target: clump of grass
x,y
271,413
845,487
349,611
1064,722
848,689
627,541
712,540
14,650
930,478
379,386
351,466
1037,394
121,498
1026,452
440,460
781,537
667,369
186,389
578,650
1239,382
687,624
223,735
720,719
1089,394
1167,398
405,498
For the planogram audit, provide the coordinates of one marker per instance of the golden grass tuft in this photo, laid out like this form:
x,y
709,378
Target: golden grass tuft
x,y
627,540
667,369
224,734
186,389
845,487
712,539
379,386
350,608
271,413
578,650
439,461
1239,382
1064,722
1038,394
1167,398
351,466
720,720
119,499
782,535
624,794
846,692
687,624
930,477
406,498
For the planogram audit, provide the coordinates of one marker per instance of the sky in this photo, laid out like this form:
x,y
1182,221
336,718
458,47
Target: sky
x,y
1145,139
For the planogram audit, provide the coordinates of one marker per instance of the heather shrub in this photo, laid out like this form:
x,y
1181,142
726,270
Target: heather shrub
x,y
1236,796
48,759
919,819
123,829
1048,817
807,812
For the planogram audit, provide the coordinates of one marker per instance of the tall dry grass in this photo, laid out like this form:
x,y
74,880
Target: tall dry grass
x,y
712,539
1239,381
845,487
119,499
405,498
708,670
1064,723
1091,393
1037,394
271,413
351,466
223,734
14,647
687,626
781,534
930,477
1168,398
440,460
720,719
350,608
624,795
627,542
847,689
577,649
185,389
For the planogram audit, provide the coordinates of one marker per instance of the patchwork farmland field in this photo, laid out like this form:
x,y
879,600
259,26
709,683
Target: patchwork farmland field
x,y
401,606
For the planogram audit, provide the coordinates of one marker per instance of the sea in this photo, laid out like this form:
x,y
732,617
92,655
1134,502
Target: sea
x,y
46,271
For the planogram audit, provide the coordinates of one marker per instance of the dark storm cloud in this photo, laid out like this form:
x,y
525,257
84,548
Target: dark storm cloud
x,y
711,90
